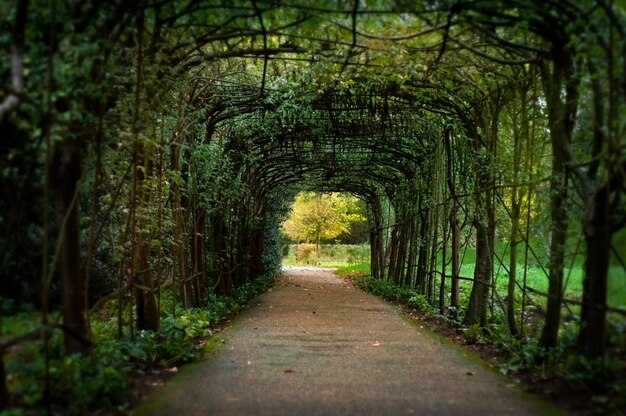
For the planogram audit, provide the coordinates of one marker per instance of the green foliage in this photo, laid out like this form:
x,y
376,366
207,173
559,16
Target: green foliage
x,y
357,269
305,253
521,356
77,383
329,255
273,239
84,384
358,253
390,291
474,334
317,217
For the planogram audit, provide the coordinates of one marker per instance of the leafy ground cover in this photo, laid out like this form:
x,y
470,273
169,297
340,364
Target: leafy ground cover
x,y
113,376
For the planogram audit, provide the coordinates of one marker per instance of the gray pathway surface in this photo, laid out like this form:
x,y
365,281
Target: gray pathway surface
x,y
315,345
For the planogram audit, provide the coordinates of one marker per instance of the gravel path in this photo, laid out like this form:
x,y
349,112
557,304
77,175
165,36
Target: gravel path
x,y
315,345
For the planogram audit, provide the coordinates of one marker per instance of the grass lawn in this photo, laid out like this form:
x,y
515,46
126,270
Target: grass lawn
x,y
345,270
338,256
332,255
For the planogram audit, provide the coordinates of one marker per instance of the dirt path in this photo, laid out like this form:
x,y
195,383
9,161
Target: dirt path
x,y
315,345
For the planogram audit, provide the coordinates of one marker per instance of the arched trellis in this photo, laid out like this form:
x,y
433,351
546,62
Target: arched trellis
x,y
460,73
427,153
429,157
373,142
346,134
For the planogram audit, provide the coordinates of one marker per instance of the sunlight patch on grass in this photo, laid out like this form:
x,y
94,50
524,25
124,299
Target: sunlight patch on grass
x,y
351,269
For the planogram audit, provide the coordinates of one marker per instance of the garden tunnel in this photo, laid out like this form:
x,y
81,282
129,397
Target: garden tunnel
x,y
368,143
151,151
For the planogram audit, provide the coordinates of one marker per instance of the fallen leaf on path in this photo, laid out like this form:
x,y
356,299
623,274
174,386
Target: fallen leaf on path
x,y
376,344
288,370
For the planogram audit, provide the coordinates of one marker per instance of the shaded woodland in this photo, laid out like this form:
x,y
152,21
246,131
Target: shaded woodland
x,y
150,151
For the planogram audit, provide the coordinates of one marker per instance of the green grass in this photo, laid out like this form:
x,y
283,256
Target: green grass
x,y
332,264
617,287
338,256
332,255
536,277
351,269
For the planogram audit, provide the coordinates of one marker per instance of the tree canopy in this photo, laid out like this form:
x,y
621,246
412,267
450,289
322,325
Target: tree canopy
x,y
315,217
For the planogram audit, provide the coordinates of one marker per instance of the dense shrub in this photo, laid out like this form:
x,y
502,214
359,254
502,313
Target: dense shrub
x,y
80,385
305,253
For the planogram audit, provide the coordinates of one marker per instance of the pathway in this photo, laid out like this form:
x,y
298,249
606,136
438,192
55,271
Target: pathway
x,y
315,345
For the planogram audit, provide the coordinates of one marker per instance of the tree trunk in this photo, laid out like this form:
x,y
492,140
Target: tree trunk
x,y
598,214
74,308
148,316
561,114
422,262
558,214
510,306
394,245
180,251
455,248
410,267
402,249
242,249
513,242
197,255
485,222
444,254
374,253
454,222
147,307
476,309
516,193
597,229
376,240
434,248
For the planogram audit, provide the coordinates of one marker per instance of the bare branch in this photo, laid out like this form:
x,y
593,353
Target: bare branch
x,y
408,36
238,53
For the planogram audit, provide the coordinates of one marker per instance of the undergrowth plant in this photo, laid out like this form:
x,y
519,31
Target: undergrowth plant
x,y
390,291
80,384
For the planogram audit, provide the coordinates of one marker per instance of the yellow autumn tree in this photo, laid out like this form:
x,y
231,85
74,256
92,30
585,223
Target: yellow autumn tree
x,y
321,216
